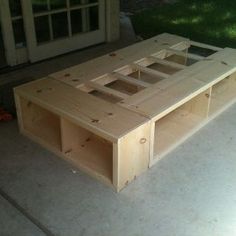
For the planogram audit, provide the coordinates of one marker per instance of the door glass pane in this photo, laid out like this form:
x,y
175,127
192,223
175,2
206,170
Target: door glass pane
x,y
42,29
15,7
17,23
93,18
75,2
76,21
79,2
2,51
60,25
19,33
39,5
56,4
54,24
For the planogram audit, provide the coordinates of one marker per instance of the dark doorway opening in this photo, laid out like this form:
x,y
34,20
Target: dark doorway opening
x,y
3,62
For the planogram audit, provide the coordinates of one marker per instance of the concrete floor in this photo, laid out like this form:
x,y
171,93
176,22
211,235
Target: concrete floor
x,y
14,223
191,192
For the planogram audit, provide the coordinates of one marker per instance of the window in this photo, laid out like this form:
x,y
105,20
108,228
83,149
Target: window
x,y
56,19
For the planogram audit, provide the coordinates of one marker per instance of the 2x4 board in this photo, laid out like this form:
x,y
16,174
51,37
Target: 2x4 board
x,y
117,115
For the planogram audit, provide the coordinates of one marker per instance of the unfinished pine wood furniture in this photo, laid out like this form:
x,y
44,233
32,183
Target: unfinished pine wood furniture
x,y
109,142
118,114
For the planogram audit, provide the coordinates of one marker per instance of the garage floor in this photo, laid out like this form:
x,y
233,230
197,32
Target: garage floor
x,y
191,192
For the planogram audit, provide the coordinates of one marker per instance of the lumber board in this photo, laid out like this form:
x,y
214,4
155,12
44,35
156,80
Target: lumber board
x,y
149,71
131,156
130,80
167,63
184,85
226,56
108,63
184,54
88,111
164,84
206,46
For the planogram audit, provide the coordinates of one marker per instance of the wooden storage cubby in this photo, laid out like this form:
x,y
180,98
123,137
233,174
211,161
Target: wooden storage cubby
x,y
87,150
223,93
83,148
124,87
102,139
177,125
41,123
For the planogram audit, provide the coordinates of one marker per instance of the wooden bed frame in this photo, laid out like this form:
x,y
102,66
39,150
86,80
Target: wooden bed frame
x,y
117,115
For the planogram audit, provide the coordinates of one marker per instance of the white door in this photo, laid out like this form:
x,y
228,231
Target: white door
x,y
55,27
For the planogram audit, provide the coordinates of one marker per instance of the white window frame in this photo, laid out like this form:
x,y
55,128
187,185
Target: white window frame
x,y
38,52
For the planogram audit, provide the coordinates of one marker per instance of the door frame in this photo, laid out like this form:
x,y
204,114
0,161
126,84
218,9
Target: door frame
x,y
7,33
14,56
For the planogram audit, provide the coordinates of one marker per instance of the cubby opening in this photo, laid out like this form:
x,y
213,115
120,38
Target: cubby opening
x,y
145,77
176,126
124,87
222,94
117,88
163,68
176,58
181,59
205,52
41,123
106,97
87,150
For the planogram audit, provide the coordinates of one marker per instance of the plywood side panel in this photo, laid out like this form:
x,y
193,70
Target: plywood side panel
x,y
132,156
